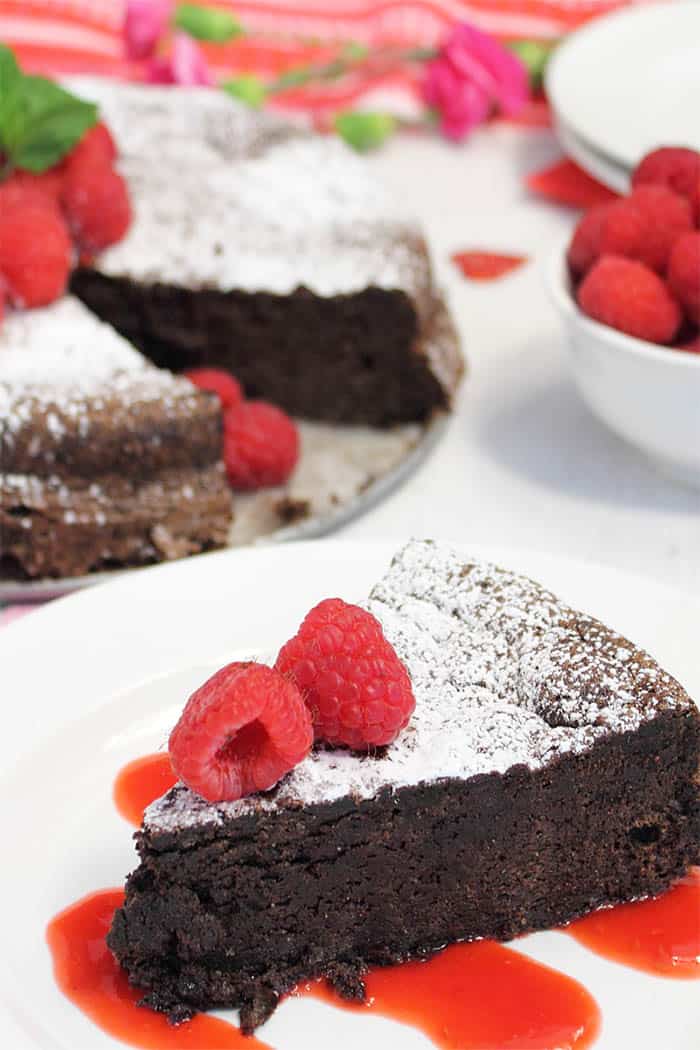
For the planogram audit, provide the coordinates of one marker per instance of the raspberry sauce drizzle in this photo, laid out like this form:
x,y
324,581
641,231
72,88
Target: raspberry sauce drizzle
x,y
660,936
87,973
141,782
480,996
469,997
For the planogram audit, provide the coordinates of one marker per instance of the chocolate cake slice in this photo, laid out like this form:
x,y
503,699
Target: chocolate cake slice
x,y
550,768
260,247
105,460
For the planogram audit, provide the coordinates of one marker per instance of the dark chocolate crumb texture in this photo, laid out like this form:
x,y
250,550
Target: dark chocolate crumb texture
x,y
550,768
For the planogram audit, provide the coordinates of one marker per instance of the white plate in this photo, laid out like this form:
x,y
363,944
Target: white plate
x,y
630,82
96,679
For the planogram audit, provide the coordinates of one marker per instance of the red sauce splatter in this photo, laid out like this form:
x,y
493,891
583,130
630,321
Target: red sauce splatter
x,y
87,973
482,265
481,996
660,935
141,782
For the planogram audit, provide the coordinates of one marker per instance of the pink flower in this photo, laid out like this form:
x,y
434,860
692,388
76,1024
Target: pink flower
x,y
184,65
144,23
473,75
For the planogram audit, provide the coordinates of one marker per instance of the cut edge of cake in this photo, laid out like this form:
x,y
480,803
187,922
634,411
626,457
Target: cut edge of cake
x,y
107,460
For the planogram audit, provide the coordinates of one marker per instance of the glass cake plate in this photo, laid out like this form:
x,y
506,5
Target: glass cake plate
x,y
342,473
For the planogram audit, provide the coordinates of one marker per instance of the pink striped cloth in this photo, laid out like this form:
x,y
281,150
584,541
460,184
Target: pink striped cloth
x,y
84,36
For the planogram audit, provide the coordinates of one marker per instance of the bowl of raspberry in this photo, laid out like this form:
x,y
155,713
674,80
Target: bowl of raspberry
x,y
627,287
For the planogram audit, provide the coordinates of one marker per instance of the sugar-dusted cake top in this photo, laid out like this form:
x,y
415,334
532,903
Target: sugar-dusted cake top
x,y
59,365
503,673
227,197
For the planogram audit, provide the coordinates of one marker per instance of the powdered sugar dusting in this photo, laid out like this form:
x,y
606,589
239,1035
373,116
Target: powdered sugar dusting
x,y
60,363
503,674
228,198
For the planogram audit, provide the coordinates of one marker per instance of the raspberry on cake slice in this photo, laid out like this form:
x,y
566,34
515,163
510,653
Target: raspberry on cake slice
x,y
240,732
548,768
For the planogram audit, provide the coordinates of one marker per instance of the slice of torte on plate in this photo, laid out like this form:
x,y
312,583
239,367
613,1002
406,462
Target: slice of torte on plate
x,y
549,768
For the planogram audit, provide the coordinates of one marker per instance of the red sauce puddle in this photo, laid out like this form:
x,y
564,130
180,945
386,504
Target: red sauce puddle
x,y
660,936
87,973
469,997
141,782
480,996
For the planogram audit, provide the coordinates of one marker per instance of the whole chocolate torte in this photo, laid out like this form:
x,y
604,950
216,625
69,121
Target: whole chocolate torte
x,y
258,247
550,768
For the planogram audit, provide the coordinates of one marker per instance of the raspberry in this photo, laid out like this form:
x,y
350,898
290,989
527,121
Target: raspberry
x,y
96,147
261,445
667,216
676,167
96,202
240,732
684,273
35,254
25,188
357,689
218,382
695,204
627,295
617,228
691,346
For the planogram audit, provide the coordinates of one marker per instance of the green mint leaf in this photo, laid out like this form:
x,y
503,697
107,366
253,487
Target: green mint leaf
x,y
47,122
10,73
249,89
365,131
534,54
39,121
10,79
207,23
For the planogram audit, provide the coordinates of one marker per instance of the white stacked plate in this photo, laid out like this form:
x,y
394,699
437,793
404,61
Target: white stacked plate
x,y
625,84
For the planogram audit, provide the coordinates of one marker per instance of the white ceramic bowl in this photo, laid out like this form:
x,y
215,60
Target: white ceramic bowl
x,y
649,395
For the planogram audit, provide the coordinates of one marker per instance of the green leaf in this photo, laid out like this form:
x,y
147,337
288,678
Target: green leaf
x,y
46,123
10,74
249,89
207,23
10,79
534,54
363,130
